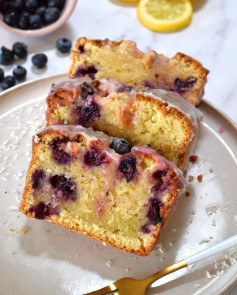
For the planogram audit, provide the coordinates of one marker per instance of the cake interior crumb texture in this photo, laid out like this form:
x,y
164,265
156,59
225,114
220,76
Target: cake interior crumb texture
x,y
75,180
125,62
143,118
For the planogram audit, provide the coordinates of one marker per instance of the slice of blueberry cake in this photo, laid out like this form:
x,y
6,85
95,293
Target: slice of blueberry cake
x,y
101,187
156,118
125,62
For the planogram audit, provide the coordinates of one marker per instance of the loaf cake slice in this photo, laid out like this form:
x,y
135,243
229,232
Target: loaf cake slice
x,y
155,118
77,181
125,62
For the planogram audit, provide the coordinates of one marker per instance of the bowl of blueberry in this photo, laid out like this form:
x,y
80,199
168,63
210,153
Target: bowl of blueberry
x,y
34,18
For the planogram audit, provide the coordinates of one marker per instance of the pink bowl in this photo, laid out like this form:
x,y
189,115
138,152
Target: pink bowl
x,y
66,12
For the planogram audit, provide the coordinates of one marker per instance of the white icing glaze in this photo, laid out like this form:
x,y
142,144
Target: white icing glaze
x,y
71,83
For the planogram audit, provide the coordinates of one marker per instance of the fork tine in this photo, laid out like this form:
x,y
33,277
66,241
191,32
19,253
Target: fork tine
x,y
105,290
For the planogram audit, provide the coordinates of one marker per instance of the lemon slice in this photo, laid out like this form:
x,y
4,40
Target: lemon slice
x,y
129,0
165,15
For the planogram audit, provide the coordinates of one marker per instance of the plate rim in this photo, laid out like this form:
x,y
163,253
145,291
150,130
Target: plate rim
x,y
205,101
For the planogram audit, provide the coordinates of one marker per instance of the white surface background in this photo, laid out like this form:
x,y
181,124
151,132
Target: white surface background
x,y
211,38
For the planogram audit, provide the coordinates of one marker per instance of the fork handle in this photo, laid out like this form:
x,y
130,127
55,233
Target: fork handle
x,y
230,242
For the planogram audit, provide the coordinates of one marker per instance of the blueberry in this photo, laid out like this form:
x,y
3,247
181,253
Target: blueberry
x,y
6,56
39,60
63,45
121,145
41,210
83,71
65,188
5,6
59,155
35,21
31,4
86,90
37,178
51,15
20,49
8,82
41,11
87,114
56,3
159,174
128,167
181,85
154,212
94,158
1,74
24,21
19,73
12,18
17,5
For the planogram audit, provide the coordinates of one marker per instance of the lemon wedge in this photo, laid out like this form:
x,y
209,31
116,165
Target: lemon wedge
x,y
165,15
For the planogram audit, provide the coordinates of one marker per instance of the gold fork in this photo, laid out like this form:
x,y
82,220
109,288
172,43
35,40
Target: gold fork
x,y
129,286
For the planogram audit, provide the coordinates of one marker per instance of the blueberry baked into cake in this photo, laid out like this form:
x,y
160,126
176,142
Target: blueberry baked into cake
x,y
99,186
156,118
125,62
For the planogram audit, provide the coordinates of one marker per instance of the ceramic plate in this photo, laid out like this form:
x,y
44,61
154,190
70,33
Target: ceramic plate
x,y
37,257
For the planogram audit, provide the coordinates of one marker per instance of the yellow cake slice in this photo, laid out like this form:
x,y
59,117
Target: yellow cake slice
x,y
78,181
125,62
156,118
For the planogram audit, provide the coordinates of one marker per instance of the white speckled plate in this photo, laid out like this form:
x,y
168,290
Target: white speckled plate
x,y
37,257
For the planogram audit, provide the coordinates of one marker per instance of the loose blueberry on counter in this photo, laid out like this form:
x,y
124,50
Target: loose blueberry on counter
x,y
37,178
19,73
39,60
128,167
65,188
86,90
121,145
51,15
12,18
63,45
56,3
20,49
6,56
35,21
8,82
1,74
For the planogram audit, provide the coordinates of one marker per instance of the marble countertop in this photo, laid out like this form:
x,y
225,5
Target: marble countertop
x,y
210,38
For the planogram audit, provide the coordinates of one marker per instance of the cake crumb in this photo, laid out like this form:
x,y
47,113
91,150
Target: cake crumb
x,y
190,178
193,159
187,194
22,231
47,231
211,210
200,178
211,170
197,285
108,263
222,129
12,230
14,253
204,241
209,276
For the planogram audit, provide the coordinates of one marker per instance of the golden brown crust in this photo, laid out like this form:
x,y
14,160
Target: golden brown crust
x,y
181,60
144,250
